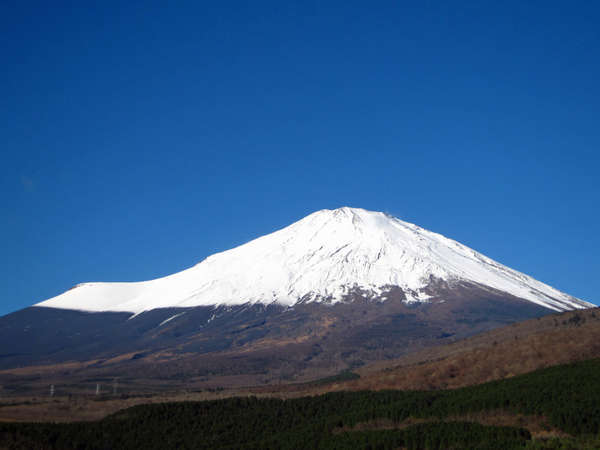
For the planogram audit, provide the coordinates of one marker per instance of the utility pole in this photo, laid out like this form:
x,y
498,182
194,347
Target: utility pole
x,y
97,388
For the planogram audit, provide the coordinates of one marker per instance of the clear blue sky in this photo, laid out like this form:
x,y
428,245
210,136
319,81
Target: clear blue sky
x,y
138,138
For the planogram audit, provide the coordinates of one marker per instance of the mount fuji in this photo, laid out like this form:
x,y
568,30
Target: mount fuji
x,y
321,258
337,289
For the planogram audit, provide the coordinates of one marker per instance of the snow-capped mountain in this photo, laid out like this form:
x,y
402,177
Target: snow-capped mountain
x,y
336,290
321,258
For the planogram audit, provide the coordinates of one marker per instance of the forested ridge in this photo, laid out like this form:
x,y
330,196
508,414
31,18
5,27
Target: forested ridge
x,y
567,396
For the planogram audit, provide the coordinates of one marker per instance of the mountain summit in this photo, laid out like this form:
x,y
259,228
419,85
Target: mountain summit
x,y
324,257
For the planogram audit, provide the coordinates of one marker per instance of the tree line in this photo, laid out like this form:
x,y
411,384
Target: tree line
x,y
568,396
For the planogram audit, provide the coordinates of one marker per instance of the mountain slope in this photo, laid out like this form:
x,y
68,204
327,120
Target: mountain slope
x,y
324,257
239,345
522,347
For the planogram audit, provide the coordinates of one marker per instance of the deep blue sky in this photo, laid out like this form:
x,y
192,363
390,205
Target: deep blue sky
x,y
138,139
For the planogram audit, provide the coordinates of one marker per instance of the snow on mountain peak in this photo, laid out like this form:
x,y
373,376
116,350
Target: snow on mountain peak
x,y
322,256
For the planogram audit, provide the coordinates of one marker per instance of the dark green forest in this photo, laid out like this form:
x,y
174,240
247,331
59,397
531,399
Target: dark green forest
x,y
567,396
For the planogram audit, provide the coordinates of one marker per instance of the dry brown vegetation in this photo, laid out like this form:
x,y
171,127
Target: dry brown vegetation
x,y
87,408
498,354
538,426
